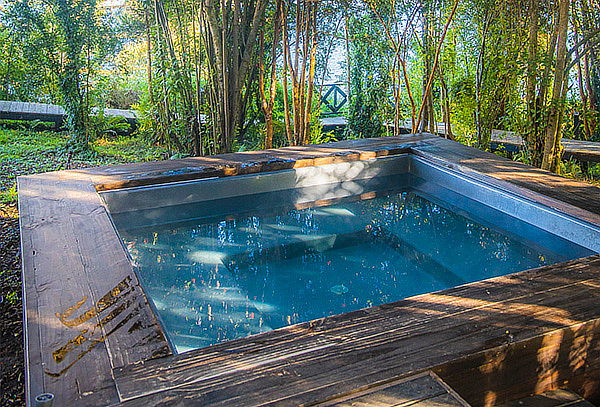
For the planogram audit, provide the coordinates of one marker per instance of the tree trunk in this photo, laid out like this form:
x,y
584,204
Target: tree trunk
x,y
551,157
301,70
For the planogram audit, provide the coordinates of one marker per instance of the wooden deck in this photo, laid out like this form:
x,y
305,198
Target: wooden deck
x,y
423,390
45,112
586,151
92,338
552,398
576,149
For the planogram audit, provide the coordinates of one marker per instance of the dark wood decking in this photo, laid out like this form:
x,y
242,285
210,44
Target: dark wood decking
x,y
423,390
577,149
552,398
587,151
93,339
50,113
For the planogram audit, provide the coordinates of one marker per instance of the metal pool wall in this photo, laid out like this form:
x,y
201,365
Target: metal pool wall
x,y
176,202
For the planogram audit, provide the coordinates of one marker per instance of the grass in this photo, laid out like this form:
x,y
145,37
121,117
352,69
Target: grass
x,y
31,151
128,149
572,169
9,196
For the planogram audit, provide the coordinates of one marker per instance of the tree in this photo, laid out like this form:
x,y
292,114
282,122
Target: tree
x,y
230,31
76,20
551,157
369,76
267,95
300,65
67,42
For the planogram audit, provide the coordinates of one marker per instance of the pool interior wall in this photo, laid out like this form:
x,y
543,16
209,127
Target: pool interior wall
x,y
401,180
132,208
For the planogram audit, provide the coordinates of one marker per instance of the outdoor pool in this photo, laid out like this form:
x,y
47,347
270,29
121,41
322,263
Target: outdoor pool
x,y
223,259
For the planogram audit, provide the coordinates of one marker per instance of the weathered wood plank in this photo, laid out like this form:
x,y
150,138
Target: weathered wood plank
x,y
34,377
562,358
476,162
280,385
551,398
577,149
416,311
130,328
424,388
87,325
454,154
139,174
44,225
49,112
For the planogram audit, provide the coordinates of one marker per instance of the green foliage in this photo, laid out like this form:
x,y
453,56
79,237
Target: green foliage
x,y
9,196
41,150
23,125
128,149
156,57
370,80
28,70
52,51
464,105
318,136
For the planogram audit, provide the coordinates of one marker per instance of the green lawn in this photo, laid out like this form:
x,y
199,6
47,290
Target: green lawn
x,y
25,152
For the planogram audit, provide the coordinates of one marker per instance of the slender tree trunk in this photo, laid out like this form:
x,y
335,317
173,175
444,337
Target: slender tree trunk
x,y
428,85
232,35
445,103
531,135
286,64
268,100
301,70
483,135
427,124
551,157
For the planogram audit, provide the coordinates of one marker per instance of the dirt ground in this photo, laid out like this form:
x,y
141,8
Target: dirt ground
x,y
11,329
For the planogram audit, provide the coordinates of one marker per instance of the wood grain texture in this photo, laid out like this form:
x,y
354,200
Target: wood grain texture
x,y
93,339
46,223
420,390
534,183
84,306
551,398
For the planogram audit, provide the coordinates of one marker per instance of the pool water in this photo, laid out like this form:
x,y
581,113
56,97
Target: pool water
x,y
214,280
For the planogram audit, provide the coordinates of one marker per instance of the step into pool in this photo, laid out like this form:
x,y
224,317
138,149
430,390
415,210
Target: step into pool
x,y
226,258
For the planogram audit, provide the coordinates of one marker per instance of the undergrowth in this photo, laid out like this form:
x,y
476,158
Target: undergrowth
x,y
31,151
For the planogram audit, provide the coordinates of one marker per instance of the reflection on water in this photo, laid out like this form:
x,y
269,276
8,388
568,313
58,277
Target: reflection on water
x,y
213,282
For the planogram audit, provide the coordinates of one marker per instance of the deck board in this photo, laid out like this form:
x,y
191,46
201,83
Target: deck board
x,y
51,113
512,142
552,398
542,183
93,314
50,223
577,149
420,390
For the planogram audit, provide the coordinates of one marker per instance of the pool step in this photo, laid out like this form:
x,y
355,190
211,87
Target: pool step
x,y
423,390
300,245
553,398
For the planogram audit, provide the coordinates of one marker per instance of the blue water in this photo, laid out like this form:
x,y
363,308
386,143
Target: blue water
x,y
222,279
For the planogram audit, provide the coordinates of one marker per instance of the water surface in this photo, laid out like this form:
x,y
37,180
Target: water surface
x,y
228,278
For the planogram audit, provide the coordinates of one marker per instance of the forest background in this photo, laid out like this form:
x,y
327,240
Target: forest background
x,y
212,76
